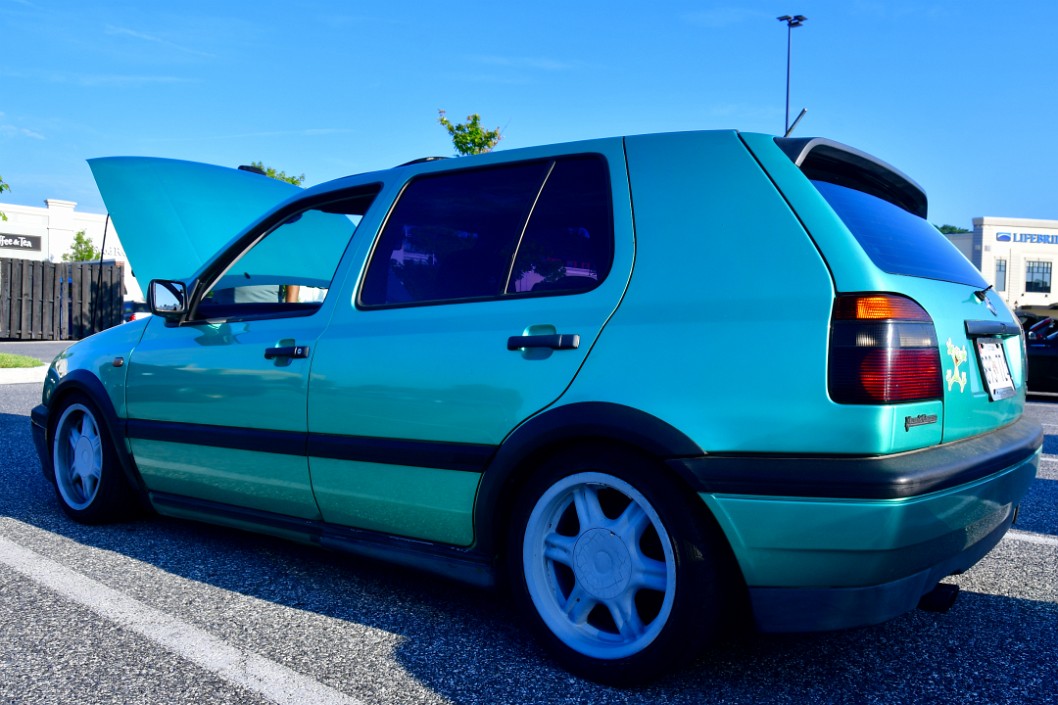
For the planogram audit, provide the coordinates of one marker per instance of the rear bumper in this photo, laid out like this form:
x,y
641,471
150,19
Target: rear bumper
x,y
866,547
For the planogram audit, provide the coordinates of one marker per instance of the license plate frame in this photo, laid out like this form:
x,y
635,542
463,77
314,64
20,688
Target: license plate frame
x,y
995,368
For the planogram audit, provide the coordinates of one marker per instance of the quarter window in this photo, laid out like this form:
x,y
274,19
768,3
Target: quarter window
x,y
1038,277
525,229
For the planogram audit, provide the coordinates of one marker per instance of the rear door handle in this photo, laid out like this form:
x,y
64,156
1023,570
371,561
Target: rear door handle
x,y
293,351
559,341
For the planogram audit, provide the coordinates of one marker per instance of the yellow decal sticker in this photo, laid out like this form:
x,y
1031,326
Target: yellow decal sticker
x,y
958,356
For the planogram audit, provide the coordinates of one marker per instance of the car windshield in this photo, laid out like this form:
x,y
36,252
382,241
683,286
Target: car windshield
x,y
899,242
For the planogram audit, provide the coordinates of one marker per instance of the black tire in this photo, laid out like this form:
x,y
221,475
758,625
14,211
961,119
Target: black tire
x,y
614,567
89,481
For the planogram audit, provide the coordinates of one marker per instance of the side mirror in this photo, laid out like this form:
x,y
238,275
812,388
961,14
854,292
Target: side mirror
x,y
168,298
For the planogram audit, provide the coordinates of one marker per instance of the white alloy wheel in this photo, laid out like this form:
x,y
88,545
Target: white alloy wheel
x,y
77,455
599,567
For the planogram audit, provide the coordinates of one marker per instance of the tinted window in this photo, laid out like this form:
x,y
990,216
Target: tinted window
x,y
568,243
528,228
897,241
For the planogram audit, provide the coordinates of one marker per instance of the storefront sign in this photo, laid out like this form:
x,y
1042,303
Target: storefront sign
x,y
20,242
1038,238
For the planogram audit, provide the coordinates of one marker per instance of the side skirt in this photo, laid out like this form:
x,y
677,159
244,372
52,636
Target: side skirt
x,y
460,564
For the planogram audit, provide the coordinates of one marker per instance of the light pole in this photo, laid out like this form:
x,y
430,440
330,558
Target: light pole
x,y
791,22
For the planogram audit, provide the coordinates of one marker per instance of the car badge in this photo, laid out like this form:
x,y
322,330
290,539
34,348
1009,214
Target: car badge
x,y
958,356
920,420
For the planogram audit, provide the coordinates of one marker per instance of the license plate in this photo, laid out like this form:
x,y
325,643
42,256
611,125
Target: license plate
x,y
994,367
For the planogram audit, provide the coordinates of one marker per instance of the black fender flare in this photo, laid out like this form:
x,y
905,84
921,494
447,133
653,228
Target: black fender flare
x,y
550,431
87,384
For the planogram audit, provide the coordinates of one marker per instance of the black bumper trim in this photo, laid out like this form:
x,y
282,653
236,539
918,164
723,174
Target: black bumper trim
x,y
869,477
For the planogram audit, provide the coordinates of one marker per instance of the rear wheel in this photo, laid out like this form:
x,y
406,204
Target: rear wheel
x,y
614,567
88,479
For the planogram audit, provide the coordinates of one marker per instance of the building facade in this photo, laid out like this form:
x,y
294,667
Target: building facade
x,y
48,233
1017,256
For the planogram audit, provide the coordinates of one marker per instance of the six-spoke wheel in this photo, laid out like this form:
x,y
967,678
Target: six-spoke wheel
x,y
614,566
599,566
88,481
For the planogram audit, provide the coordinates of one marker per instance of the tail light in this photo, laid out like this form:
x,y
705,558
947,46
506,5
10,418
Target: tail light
x,y
883,350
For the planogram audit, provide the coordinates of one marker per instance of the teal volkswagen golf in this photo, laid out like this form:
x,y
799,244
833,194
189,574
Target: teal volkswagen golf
x,y
532,368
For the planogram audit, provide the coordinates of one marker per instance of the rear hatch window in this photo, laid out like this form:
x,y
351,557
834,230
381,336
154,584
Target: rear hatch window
x,y
897,241
978,348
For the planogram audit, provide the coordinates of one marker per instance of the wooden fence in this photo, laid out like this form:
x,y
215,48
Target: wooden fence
x,y
58,300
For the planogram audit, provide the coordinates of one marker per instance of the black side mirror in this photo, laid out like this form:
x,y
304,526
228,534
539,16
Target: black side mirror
x,y
168,298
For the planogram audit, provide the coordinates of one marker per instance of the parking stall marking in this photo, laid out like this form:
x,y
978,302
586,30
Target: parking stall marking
x,y
271,680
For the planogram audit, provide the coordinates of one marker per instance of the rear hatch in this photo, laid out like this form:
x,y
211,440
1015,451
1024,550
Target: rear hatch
x,y
897,279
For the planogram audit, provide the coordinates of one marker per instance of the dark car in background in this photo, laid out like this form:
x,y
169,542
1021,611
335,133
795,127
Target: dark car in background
x,y
1041,347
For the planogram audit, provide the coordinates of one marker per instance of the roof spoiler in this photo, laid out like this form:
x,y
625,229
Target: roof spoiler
x,y
836,163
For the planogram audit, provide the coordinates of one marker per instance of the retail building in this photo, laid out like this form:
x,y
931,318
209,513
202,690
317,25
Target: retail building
x,y
1017,256
48,233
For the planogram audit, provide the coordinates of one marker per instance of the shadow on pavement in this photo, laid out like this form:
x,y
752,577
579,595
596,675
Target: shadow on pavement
x,y
469,647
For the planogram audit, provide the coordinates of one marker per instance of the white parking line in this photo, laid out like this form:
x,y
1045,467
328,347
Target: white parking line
x,y
242,668
1015,535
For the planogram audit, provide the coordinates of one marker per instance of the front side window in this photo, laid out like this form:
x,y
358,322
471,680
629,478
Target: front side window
x,y
289,270
1037,277
1001,275
528,228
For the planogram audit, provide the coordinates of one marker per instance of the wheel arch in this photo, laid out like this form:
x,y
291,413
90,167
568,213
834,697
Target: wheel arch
x,y
558,429
84,383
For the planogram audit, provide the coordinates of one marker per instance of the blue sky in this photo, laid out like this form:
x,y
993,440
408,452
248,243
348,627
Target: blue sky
x,y
960,95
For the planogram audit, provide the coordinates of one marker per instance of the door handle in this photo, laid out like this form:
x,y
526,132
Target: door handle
x,y
291,351
559,341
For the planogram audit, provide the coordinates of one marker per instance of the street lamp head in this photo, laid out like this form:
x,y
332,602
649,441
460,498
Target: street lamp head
x,y
792,20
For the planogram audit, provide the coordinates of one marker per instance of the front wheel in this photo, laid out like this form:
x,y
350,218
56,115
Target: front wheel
x,y
88,480
614,566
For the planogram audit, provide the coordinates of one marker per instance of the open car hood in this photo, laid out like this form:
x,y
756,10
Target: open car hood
x,y
173,215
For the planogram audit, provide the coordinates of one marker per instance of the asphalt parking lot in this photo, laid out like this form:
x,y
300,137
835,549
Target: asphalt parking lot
x,y
163,611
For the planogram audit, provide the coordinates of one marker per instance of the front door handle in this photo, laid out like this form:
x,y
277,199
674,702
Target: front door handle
x,y
558,341
289,351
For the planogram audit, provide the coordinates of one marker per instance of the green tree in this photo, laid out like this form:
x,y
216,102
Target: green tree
x,y
3,187
278,175
952,229
82,250
470,137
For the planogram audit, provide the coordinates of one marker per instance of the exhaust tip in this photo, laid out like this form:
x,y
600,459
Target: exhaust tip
x,y
940,599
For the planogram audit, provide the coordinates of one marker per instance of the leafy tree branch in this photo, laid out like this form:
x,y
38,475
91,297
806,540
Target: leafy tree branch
x,y
470,137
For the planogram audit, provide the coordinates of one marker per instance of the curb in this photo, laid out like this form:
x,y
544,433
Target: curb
x,y
23,375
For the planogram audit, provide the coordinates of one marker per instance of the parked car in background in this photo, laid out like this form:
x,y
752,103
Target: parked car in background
x,y
1037,327
1043,366
134,310
530,368
1041,348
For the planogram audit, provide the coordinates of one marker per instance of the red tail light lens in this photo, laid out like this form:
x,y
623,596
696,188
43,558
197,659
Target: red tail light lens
x,y
883,350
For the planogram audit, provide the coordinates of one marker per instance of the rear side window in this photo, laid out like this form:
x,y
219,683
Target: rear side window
x,y
532,228
897,241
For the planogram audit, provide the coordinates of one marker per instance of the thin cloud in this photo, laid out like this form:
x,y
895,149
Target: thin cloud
x,y
122,81
721,17
307,132
487,78
15,131
89,80
525,62
142,36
